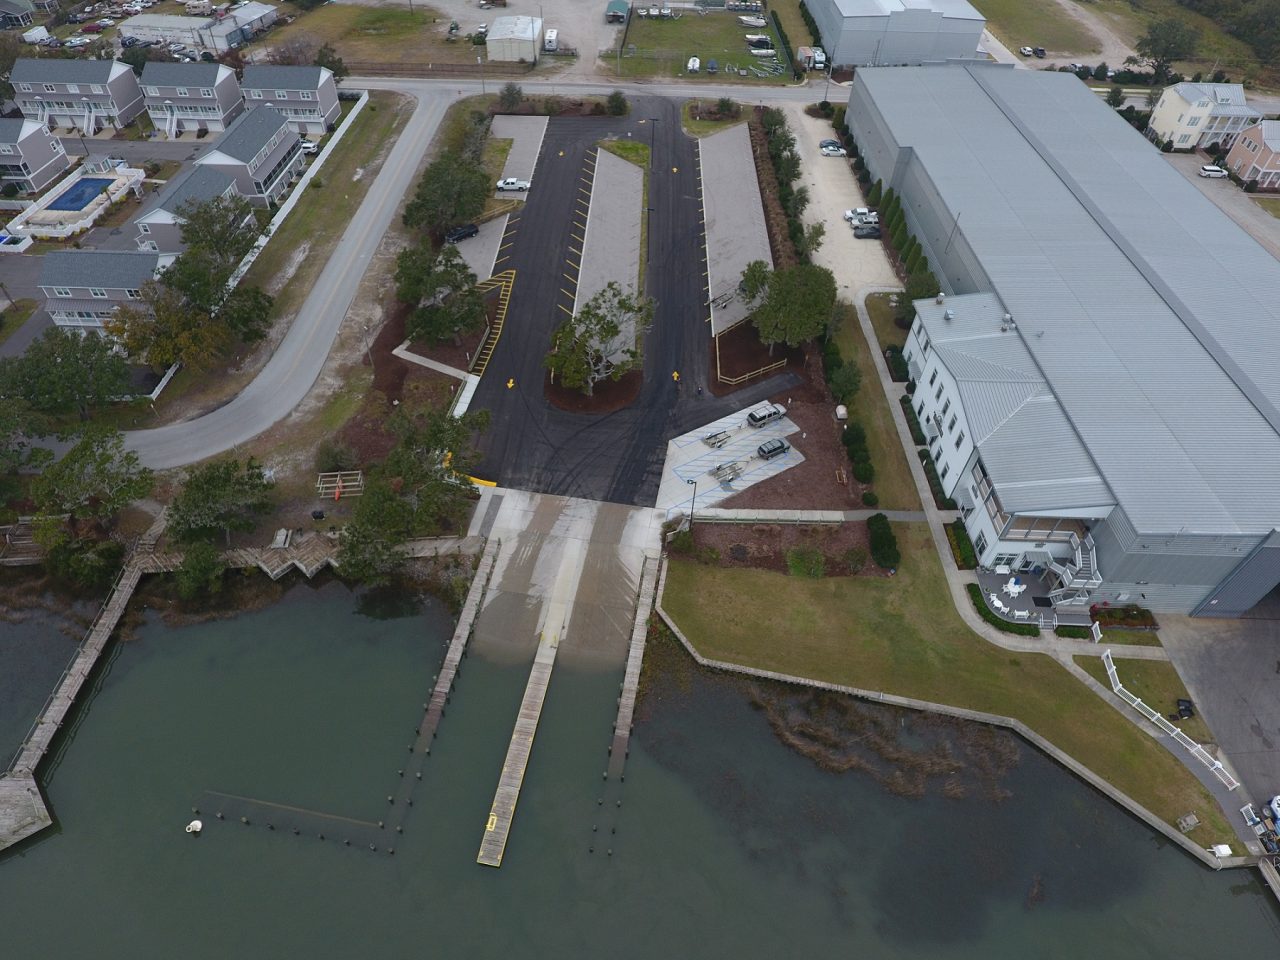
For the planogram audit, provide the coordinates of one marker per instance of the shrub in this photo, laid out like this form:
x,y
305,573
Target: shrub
x,y
864,178
617,103
989,615
814,33
863,471
913,261
873,198
942,501
10,190
845,382
869,499
708,556
884,545
201,570
806,562
1167,147
87,563
831,359
1074,633
961,546
898,371
855,440
913,421
510,96
333,455
316,183
855,558
837,119
681,542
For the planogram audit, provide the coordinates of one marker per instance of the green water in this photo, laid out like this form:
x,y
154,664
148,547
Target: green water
x,y
728,844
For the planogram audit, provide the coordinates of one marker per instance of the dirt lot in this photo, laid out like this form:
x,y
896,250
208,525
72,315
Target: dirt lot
x,y
739,352
765,545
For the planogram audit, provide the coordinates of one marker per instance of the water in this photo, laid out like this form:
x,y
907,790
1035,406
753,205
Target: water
x,y
728,843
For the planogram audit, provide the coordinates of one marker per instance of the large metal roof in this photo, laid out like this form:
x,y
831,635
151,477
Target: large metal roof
x,y
953,9
1151,316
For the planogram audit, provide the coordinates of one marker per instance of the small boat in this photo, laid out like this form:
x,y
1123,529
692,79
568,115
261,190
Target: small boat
x,y
757,37
694,65
712,66
753,21
195,826
763,52
642,11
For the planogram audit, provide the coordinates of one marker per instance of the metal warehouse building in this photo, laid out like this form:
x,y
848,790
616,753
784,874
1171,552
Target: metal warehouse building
x,y
897,32
515,39
1099,387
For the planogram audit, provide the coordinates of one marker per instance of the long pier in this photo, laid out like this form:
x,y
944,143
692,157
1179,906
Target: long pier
x,y
631,679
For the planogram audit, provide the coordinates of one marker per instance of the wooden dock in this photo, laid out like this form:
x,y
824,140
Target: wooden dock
x,y
504,801
631,679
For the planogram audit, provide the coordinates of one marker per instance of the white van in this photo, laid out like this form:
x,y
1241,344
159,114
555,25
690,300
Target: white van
x,y
1209,170
551,41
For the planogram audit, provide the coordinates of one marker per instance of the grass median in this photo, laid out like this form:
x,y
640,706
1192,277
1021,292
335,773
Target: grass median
x,y
1156,683
1037,23
662,48
902,635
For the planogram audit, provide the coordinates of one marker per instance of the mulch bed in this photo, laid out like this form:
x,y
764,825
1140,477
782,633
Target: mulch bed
x,y
814,484
456,355
568,108
741,353
609,397
764,545
780,245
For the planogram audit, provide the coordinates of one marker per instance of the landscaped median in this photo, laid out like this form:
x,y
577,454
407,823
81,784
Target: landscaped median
x,y
902,635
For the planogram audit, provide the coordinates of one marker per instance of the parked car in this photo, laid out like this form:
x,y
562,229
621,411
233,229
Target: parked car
x,y
1026,51
106,22
309,147
127,42
461,232
1215,173
856,213
1039,52
836,151
828,143
513,183
772,448
767,413
208,57
867,231
92,28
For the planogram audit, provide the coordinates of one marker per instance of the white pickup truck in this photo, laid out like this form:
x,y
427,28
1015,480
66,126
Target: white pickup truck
x,y
513,183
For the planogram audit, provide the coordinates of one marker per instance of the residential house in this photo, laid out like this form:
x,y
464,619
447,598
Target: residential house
x,y
1201,114
84,288
30,156
90,95
160,223
307,96
260,153
1256,155
16,13
183,97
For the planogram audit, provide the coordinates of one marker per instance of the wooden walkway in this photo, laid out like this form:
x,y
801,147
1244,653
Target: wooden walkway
x,y
631,679
504,801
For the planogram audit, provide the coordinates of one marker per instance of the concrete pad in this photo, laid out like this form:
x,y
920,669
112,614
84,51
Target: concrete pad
x,y
689,458
481,250
611,247
1231,668
734,215
525,134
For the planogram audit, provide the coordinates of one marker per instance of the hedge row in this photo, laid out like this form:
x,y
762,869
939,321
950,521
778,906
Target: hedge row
x,y
812,24
989,615
883,543
961,546
898,371
786,44
1074,633
942,501
913,422
855,445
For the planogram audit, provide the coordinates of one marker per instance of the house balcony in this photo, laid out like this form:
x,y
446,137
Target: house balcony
x,y
1035,604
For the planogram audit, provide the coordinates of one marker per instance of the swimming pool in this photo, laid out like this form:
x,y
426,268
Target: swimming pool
x,y
80,194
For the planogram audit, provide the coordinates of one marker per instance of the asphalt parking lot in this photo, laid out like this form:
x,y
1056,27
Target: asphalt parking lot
x,y
616,457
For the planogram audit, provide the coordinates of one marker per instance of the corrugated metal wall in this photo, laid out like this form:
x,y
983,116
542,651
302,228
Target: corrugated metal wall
x,y
1255,577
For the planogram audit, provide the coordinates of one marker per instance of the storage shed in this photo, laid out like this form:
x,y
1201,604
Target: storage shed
x,y
513,39
616,11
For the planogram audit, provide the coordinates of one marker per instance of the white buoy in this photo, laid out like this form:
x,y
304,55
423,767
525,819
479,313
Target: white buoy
x,y
195,826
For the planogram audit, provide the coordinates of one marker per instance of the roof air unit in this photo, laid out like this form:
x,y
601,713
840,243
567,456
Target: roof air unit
x,y
1008,318
941,298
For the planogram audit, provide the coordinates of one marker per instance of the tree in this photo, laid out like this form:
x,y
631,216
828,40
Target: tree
x,y
510,96
220,496
443,291
1165,41
844,382
433,450
1115,97
920,286
200,572
452,190
600,340
328,58
18,426
616,103
10,50
369,548
246,313
797,306
726,107
64,372
755,281
814,234
139,55
1100,71
299,50
222,231
95,478
166,330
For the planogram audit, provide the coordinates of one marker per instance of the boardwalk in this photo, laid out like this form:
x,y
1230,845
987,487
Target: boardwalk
x,y
504,801
631,680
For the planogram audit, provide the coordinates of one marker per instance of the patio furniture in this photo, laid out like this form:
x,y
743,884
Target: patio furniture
x,y
999,605
1022,614
1006,590
1017,590
1003,570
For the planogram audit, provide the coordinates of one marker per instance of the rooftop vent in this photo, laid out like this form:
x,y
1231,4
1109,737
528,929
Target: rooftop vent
x,y
941,298
949,315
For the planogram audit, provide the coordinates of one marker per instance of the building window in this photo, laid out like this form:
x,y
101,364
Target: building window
x,y
144,228
282,94
946,406
95,88
255,94
62,291
933,378
920,409
980,545
133,294
959,439
153,91
181,91
206,92
938,395
946,468
1004,559
952,425
73,88
24,87
1184,138
50,88
1193,122
6,148
97,293
937,454
305,95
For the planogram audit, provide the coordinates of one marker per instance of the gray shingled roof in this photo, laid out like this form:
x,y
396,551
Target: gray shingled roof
x,y
98,268
11,129
267,77
160,74
196,183
57,70
249,132
1152,317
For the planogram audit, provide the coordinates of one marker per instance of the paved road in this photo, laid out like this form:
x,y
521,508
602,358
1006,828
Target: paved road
x,y
617,457
296,364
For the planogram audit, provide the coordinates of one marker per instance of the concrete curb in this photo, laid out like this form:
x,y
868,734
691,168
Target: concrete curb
x,y
1009,723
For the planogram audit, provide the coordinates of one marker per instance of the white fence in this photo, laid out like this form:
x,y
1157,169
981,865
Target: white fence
x,y
1165,726
26,224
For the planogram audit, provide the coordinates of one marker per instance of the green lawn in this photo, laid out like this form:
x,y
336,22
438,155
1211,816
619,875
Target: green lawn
x,y
381,34
15,317
880,310
1269,204
662,48
788,12
696,127
1156,683
893,483
903,636
1036,23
